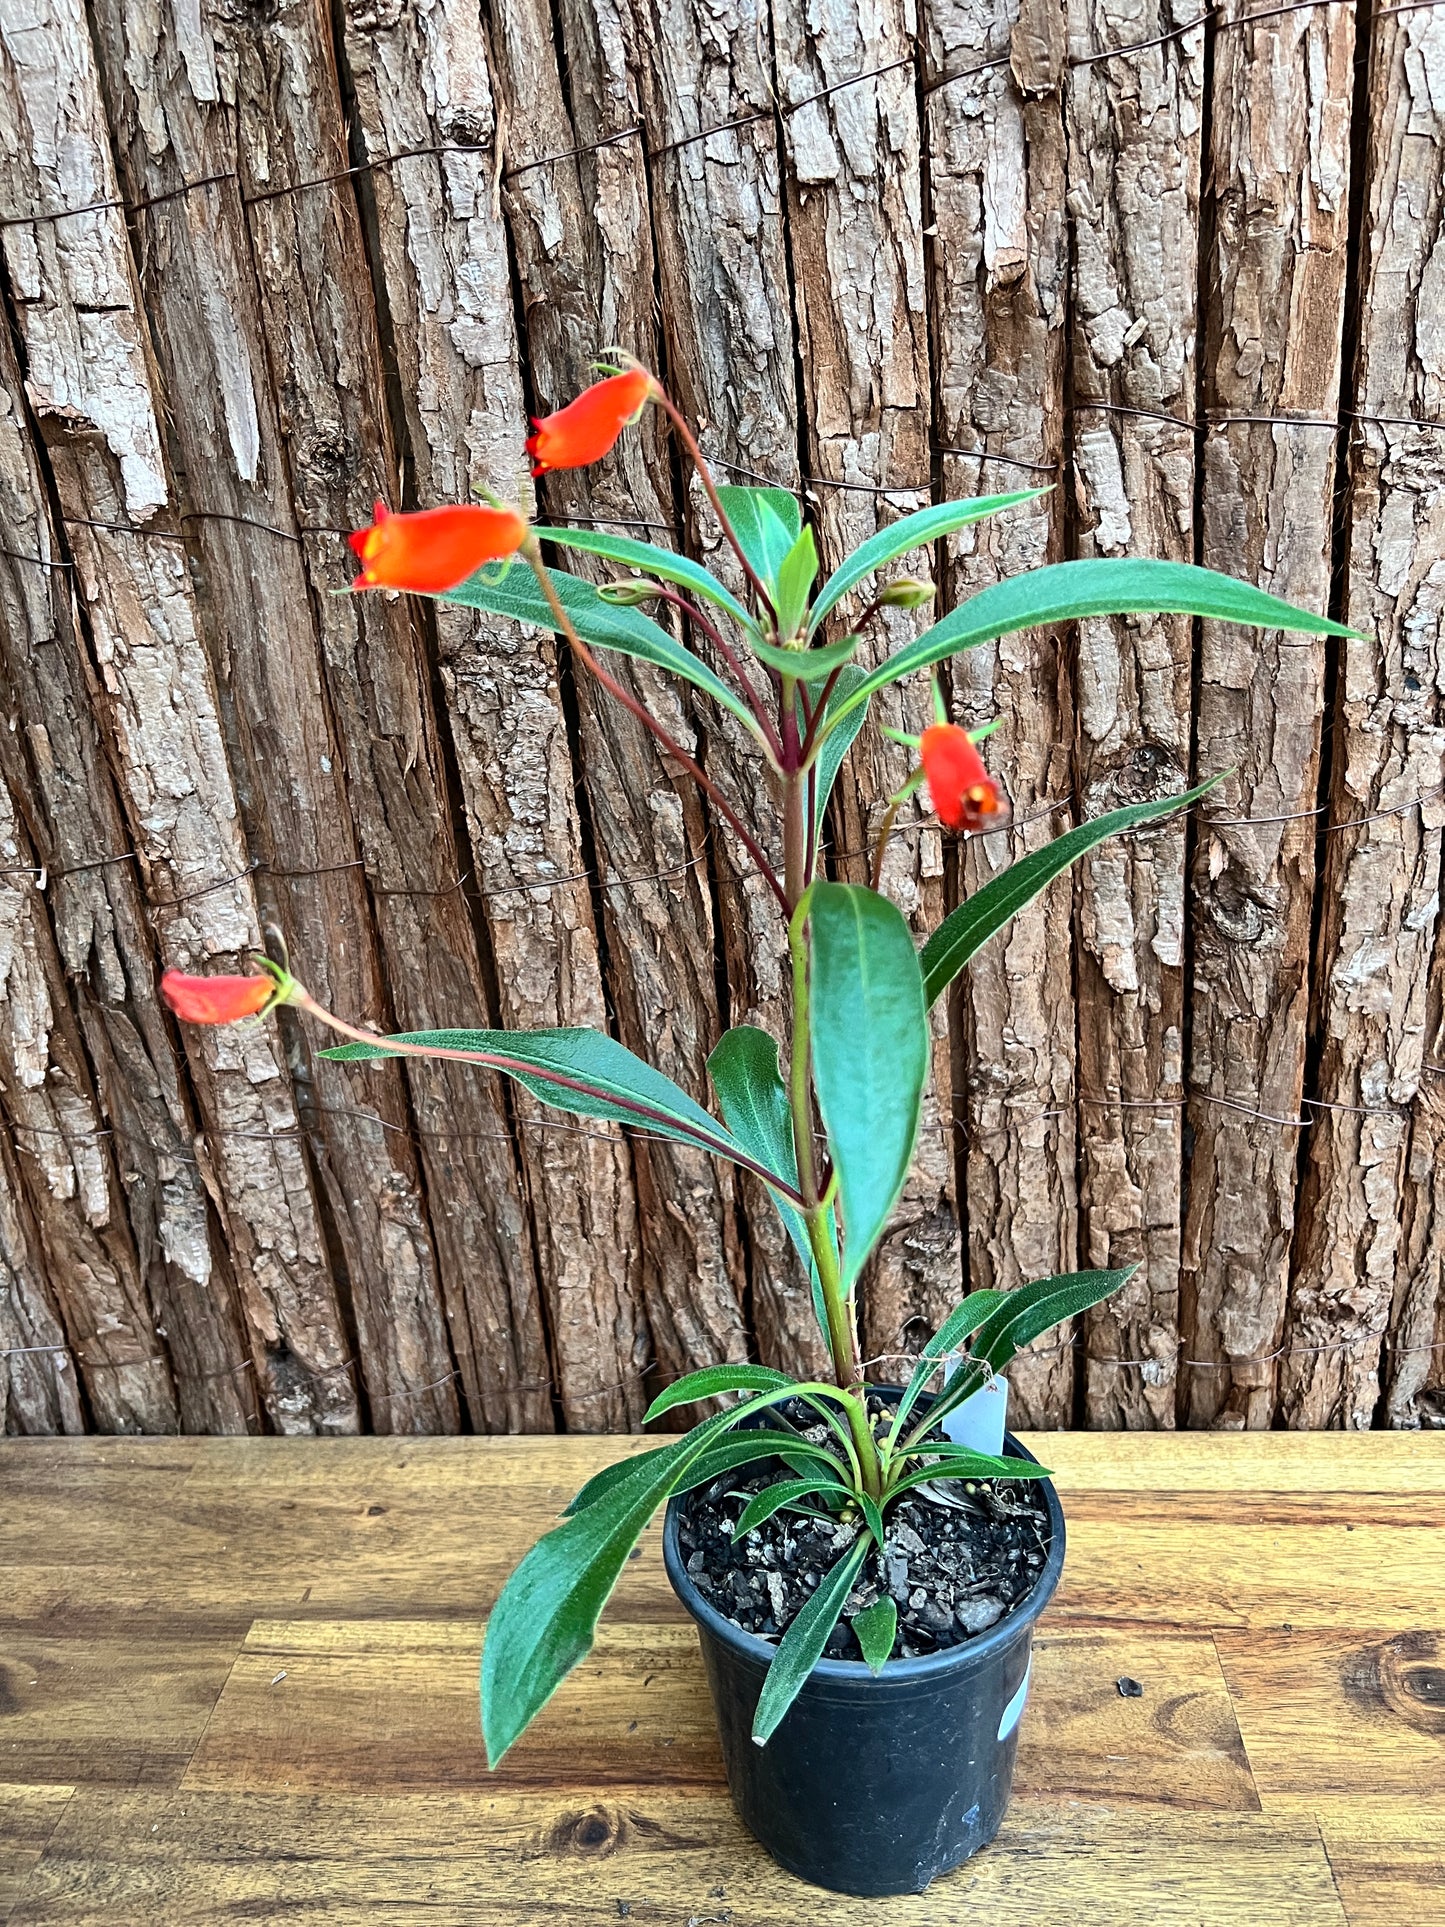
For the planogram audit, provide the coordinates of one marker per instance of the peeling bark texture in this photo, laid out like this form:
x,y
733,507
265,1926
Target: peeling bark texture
x,y
999,269
727,316
1133,126
1415,1361
38,1388
1382,877
854,204
580,231
91,384
178,90
318,320
1276,289
67,1164
422,77
55,761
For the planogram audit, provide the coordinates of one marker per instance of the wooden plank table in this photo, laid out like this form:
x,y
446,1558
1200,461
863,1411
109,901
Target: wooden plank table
x,y
238,1683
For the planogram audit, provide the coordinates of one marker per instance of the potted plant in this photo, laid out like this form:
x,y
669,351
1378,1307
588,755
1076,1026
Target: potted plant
x,y
865,1588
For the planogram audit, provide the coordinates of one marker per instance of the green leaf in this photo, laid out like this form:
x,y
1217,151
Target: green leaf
x,y
870,1054
837,742
802,1644
713,1380
910,532
602,623
875,1629
773,1498
581,1071
744,1070
960,1324
767,522
966,929
1063,591
666,563
739,1448
797,572
872,1516
925,1475
806,665
958,1462
1025,1315
546,1617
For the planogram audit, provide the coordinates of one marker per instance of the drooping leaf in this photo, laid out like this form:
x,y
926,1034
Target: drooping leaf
x,y
762,1505
546,1617
806,665
797,572
875,1629
581,1071
980,916
605,625
870,1054
713,1380
665,563
910,532
837,742
745,1074
929,1474
959,1462
767,522
737,1448
1064,591
801,1646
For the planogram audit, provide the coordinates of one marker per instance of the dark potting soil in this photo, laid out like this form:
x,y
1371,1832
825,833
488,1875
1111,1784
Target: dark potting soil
x,y
954,1569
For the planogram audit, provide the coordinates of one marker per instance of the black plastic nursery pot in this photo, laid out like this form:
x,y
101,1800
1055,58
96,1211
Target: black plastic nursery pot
x,y
875,1786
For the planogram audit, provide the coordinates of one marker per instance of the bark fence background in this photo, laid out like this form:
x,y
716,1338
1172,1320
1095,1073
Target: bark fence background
x,y
264,260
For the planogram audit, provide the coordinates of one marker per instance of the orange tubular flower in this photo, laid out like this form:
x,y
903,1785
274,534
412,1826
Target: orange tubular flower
x,y
433,550
586,429
964,795
216,1000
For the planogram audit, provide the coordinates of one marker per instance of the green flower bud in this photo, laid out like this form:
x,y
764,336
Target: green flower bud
x,y
908,592
627,595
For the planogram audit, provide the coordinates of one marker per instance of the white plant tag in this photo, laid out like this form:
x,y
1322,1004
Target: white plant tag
x,y
979,1421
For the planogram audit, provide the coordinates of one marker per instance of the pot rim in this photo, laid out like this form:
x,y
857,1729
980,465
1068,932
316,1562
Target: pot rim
x,y
925,1665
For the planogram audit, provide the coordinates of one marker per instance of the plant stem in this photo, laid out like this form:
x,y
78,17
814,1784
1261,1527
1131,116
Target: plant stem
x,y
729,655
704,475
614,688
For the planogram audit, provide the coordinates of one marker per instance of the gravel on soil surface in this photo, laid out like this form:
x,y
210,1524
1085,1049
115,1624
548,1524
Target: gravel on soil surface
x,y
953,1569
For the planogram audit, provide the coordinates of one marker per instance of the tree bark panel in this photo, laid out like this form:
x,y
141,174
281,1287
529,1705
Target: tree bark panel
x,y
1276,296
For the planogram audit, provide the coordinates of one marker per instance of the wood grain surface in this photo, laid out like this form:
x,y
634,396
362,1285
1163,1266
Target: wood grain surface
x,y
238,1683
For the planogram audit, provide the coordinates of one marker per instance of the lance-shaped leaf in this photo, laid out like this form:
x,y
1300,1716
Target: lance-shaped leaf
x,y
712,1381
581,1071
1064,591
773,1498
546,1617
749,1085
665,563
837,742
603,624
870,1054
797,572
738,1448
801,1646
910,532
767,522
961,1323
1025,1315
966,929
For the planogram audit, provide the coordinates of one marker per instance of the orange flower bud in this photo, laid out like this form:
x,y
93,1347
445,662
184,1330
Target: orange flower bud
x,y
586,429
964,794
216,1000
435,549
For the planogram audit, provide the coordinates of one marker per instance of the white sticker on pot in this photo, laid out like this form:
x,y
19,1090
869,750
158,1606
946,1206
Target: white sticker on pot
x,y
1015,1707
